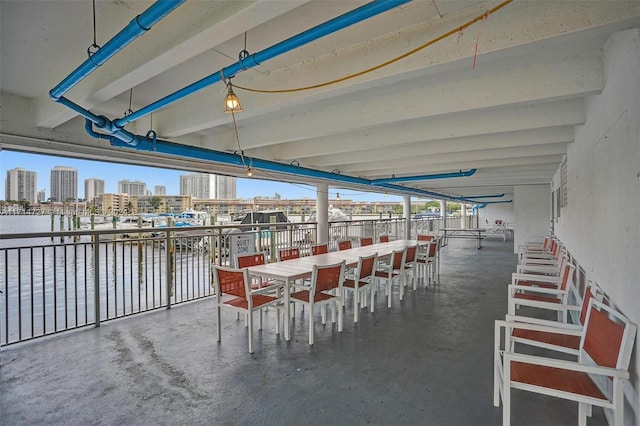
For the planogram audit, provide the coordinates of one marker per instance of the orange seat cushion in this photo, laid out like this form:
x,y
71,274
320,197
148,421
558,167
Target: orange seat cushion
x,y
305,294
258,300
575,382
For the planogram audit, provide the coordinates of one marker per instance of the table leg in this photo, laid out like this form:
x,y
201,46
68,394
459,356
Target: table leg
x,y
287,311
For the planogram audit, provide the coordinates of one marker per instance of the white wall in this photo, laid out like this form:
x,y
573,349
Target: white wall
x,y
502,211
532,206
600,224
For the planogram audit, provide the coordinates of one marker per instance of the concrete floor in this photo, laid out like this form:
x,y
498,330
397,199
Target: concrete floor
x,y
427,361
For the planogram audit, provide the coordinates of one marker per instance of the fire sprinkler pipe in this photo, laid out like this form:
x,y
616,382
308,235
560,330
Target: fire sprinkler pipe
x,y
394,179
357,15
484,196
138,26
160,146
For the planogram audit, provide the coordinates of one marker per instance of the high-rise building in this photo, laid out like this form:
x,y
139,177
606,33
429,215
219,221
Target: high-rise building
x,y
21,185
206,186
93,188
42,196
225,188
132,188
64,183
159,190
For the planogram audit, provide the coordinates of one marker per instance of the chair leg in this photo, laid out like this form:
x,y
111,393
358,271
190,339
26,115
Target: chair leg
x,y
250,331
311,324
582,414
219,324
373,295
339,317
506,394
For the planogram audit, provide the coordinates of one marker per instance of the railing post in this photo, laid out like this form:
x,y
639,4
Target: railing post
x,y
168,270
96,279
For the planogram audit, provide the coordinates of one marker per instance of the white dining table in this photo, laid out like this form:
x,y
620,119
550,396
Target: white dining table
x,y
291,270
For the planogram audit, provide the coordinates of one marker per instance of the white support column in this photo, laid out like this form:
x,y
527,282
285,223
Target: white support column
x,y
322,212
443,212
463,218
406,210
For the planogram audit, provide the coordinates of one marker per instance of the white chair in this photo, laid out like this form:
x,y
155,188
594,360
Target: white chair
x,y
542,297
233,291
392,271
542,333
596,378
362,282
325,289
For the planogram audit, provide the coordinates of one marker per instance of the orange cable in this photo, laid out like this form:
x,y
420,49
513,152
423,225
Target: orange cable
x,y
462,27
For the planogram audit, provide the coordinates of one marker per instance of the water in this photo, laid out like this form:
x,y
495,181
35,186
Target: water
x,y
49,284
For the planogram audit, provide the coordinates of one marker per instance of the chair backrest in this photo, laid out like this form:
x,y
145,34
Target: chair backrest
x,y
250,260
367,241
327,277
588,295
567,275
234,282
397,258
289,253
384,238
425,237
319,249
433,248
608,336
366,266
411,254
344,245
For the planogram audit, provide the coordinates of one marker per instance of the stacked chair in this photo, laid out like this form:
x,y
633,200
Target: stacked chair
x,y
530,351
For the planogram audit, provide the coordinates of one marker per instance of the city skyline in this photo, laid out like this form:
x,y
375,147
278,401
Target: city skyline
x,y
111,173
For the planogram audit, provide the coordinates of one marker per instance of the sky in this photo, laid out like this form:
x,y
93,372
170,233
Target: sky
x,y
111,173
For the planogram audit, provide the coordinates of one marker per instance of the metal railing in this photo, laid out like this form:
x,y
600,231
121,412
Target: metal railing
x,y
57,281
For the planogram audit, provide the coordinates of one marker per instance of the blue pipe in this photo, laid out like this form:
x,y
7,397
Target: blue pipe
x,y
424,177
326,28
484,196
174,149
138,26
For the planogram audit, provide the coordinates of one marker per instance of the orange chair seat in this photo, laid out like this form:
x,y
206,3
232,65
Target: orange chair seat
x,y
258,300
536,297
352,283
571,342
575,382
304,296
537,284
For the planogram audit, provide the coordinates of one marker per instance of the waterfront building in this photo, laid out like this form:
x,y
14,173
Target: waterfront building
x,y
206,186
93,188
159,190
42,196
64,183
113,203
21,184
136,187
168,203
